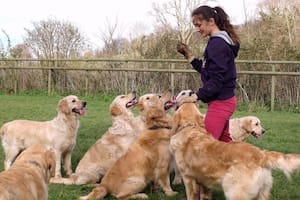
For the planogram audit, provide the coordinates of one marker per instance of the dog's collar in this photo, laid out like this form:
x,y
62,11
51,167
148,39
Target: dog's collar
x,y
33,162
155,127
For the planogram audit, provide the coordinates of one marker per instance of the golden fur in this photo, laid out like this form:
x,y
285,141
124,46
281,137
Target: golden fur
x,y
146,160
59,133
29,175
112,145
240,128
240,169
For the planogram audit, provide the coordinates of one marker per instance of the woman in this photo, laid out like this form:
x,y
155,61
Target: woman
x,y
217,69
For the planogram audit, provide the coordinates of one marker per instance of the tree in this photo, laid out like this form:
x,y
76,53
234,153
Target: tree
x,y
4,52
111,36
54,39
177,12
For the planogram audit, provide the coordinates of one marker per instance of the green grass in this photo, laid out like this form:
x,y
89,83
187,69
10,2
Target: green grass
x,y
283,131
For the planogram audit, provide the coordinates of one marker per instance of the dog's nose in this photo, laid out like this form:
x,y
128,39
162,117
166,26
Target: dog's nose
x,y
84,103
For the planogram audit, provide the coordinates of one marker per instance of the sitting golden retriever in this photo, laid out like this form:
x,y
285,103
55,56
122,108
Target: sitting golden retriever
x,y
59,133
114,143
240,169
29,175
146,160
240,128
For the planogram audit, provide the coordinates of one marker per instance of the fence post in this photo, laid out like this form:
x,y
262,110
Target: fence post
x,y
273,80
86,83
49,82
172,78
15,76
126,79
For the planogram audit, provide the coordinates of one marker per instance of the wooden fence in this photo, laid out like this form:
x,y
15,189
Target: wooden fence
x,y
172,68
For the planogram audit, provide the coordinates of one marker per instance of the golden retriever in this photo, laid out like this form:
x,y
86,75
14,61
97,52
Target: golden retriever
x,y
146,160
240,169
59,133
29,175
240,128
114,143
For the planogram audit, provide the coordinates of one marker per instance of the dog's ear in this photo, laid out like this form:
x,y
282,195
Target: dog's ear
x,y
115,110
63,106
200,121
246,125
176,121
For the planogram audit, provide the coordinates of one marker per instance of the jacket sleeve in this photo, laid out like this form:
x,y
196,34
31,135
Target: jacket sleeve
x,y
197,64
218,59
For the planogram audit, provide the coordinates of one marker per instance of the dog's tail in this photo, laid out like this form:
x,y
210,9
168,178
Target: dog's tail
x,y
97,193
287,163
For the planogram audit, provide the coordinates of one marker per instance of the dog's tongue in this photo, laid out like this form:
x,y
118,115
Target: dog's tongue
x,y
258,137
174,99
82,112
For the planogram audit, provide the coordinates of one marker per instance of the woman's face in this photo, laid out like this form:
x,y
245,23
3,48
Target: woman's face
x,y
204,27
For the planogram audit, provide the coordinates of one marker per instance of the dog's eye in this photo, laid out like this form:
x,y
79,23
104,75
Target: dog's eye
x,y
147,98
73,100
256,124
159,96
122,97
183,93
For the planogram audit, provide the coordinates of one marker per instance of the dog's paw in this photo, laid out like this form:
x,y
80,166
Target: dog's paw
x,y
83,197
171,193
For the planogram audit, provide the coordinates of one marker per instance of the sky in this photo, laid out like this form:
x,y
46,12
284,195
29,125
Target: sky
x,y
92,16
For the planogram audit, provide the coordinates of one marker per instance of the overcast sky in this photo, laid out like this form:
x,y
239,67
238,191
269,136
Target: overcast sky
x,y
90,16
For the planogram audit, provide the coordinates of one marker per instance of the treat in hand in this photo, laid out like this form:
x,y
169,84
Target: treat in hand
x,y
185,51
182,48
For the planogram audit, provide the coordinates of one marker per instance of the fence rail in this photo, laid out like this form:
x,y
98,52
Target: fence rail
x,y
277,68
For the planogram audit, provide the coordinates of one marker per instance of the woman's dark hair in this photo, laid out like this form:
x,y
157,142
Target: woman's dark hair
x,y
220,17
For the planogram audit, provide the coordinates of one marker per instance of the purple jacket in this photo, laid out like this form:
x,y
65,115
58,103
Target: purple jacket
x,y
218,71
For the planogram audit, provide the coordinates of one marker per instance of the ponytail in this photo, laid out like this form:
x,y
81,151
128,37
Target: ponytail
x,y
221,20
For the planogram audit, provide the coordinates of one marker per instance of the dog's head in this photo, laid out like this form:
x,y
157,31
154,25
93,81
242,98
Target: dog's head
x,y
252,125
154,103
39,156
153,109
123,103
71,105
185,96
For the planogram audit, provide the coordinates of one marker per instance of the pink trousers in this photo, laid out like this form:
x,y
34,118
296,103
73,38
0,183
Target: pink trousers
x,y
217,118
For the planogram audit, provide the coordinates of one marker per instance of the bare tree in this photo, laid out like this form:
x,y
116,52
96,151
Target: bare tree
x,y
4,52
111,36
179,13
54,39
284,13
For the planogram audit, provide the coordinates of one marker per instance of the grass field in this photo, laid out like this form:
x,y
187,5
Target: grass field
x,y
282,134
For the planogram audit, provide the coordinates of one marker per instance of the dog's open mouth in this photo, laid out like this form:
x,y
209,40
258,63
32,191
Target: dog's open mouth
x,y
169,104
80,111
132,102
256,135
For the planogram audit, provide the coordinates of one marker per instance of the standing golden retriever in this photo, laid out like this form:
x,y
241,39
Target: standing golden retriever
x,y
59,133
114,143
146,160
240,128
29,175
240,169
